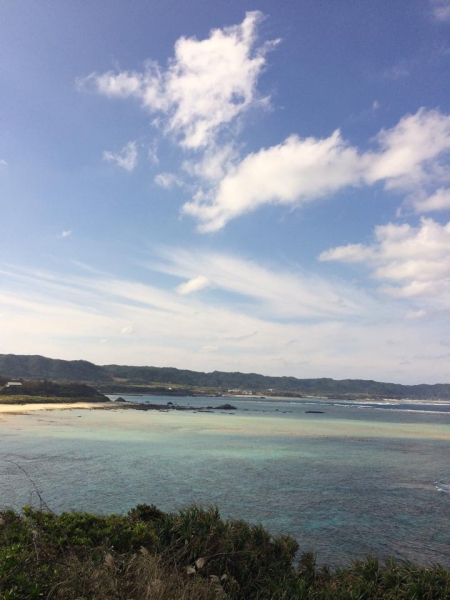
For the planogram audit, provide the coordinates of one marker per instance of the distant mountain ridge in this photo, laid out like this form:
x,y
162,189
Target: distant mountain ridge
x,y
39,367
17,366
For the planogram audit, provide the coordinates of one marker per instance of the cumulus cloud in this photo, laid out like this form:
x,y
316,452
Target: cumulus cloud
x,y
194,285
206,85
408,155
441,9
214,164
168,180
127,158
65,233
413,262
294,172
438,201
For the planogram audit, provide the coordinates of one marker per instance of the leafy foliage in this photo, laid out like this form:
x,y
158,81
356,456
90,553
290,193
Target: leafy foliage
x,y
49,389
192,554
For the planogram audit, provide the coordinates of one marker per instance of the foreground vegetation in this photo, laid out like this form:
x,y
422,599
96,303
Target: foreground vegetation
x,y
191,554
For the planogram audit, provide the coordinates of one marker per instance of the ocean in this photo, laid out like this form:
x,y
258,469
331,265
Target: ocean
x,y
355,479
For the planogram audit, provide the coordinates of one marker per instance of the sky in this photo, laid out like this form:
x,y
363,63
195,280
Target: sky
x,y
238,186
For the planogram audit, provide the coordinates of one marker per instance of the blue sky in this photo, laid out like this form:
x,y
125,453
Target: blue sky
x,y
259,186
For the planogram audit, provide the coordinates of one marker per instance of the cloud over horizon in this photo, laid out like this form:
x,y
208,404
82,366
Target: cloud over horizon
x,y
275,331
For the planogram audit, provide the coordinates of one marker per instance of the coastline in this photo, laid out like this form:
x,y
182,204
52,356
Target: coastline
x,y
25,408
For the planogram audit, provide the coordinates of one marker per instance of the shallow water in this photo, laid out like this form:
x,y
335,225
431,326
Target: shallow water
x,y
354,480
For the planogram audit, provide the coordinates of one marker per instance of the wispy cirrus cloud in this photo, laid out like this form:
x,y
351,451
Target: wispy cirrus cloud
x,y
194,285
72,316
206,85
127,158
273,293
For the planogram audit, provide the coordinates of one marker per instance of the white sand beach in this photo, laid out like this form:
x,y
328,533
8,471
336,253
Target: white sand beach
x,y
25,408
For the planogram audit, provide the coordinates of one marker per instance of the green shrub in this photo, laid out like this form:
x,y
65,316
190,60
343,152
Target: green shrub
x,y
192,554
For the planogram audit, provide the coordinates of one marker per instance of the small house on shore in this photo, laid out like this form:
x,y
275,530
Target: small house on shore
x,y
13,384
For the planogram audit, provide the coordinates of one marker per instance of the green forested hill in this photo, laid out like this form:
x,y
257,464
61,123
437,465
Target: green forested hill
x,y
14,366
40,391
38,367
253,381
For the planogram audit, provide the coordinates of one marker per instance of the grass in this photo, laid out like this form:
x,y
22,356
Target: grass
x,y
190,554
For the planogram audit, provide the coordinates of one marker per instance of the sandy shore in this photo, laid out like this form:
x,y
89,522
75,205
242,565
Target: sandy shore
x,y
25,408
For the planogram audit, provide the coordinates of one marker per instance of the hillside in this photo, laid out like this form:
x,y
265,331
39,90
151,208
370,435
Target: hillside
x,y
16,366
49,391
112,377
261,383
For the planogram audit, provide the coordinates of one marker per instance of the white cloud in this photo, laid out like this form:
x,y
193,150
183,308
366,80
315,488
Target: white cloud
x,y
153,153
414,262
409,155
281,294
168,180
294,172
351,253
194,285
207,84
214,164
127,158
66,233
127,330
68,317
440,200
441,9
3,163
409,151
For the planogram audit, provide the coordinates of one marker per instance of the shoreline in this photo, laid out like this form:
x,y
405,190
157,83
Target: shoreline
x,y
30,407
24,407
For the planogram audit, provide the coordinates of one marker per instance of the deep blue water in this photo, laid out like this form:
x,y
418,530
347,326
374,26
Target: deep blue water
x,y
354,480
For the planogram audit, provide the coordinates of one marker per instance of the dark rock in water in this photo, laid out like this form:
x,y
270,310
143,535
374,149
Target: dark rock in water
x,y
226,407
169,403
120,399
315,412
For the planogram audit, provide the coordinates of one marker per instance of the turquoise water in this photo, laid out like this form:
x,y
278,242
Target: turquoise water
x,y
351,481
